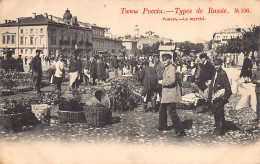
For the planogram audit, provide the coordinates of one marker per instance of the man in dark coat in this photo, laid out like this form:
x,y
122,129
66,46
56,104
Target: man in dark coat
x,y
246,71
36,67
149,82
93,70
256,80
19,66
74,72
159,69
219,83
207,71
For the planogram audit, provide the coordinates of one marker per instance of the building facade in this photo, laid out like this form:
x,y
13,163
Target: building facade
x,y
55,36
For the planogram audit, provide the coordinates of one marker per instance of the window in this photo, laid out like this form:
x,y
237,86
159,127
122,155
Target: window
x,y
21,31
21,51
41,30
13,39
41,40
3,41
25,41
35,41
62,38
8,39
31,31
54,40
21,40
68,40
26,51
68,51
31,40
31,51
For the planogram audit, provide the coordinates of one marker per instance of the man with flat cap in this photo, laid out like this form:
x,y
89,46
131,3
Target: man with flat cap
x,y
219,94
207,72
171,94
36,67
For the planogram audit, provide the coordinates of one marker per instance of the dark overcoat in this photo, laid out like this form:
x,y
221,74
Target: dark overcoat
x,y
207,72
148,80
36,66
247,68
221,82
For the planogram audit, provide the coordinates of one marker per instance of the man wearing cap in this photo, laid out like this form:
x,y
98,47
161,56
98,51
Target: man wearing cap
x,y
256,80
19,62
246,71
219,93
36,67
207,72
159,69
171,94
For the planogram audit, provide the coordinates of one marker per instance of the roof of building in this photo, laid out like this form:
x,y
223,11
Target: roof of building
x,y
166,48
67,15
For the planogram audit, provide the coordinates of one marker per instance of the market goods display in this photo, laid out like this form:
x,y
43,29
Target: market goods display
x,y
70,108
124,93
15,114
13,82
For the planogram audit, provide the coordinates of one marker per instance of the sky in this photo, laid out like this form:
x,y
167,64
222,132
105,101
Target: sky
x,y
108,13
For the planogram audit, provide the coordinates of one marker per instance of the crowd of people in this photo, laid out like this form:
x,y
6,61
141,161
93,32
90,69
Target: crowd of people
x,y
162,85
161,81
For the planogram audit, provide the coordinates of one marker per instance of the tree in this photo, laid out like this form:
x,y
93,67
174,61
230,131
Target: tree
x,y
250,41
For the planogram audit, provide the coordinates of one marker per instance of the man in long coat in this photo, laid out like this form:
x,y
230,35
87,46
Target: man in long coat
x,y
19,62
159,69
219,82
93,70
207,72
246,71
149,82
36,67
171,94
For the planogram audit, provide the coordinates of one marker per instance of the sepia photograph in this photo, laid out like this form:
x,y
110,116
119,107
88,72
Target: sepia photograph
x,y
129,81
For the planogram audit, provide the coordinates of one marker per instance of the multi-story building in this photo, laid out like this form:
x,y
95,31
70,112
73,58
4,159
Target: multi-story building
x,y
54,35
223,36
103,43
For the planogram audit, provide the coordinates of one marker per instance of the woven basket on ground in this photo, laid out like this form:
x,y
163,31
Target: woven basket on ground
x,y
71,116
12,121
98,115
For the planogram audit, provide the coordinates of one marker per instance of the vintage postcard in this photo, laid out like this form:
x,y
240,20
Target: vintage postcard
x,y
129,81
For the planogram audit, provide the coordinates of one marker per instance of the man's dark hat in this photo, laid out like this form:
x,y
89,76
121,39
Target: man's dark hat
x,y
217,61
203,55
166,56
38,50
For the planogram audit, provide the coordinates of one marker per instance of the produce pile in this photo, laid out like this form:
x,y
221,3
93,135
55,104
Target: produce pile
x,y
12,106
124,93
12,82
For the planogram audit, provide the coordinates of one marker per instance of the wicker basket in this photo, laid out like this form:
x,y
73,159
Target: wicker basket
x,y
12,121
98,116
71,116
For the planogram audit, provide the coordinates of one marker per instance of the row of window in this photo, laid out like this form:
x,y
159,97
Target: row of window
x,y
227,37
102,44
98,32
8,39
31,31
33,41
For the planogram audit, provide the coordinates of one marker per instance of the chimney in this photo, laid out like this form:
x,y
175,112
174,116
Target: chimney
x,y
33,15
51,17
46,15
6,21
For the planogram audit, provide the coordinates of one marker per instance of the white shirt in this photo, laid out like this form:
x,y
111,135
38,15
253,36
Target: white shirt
x,y
59,68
